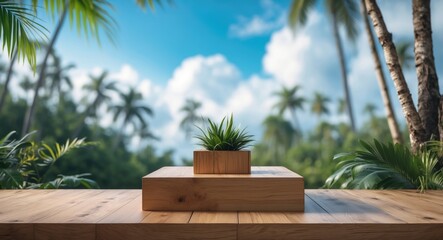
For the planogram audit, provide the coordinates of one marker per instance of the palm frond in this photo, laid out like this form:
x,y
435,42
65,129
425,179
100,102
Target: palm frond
x,y
51,154
20,31
386,166
298,13
88,16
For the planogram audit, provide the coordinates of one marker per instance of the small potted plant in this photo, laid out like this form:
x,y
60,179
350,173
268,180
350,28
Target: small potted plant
x,y
224,149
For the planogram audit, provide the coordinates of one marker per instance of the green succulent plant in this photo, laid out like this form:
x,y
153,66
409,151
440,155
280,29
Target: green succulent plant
x,y
224,136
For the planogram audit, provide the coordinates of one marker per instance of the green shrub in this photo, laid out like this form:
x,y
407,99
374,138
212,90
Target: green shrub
x,y
223,136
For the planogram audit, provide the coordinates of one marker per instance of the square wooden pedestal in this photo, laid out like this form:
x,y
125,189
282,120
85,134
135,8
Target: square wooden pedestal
x,y
265,189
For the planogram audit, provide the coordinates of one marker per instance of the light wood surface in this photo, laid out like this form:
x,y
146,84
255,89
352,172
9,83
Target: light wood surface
x,y
265,189
117,214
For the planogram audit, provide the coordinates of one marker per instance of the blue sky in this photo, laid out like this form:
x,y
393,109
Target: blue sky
x,y
156,42
231,56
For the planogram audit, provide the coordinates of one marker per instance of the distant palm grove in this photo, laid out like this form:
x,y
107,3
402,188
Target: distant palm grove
x,y
46,105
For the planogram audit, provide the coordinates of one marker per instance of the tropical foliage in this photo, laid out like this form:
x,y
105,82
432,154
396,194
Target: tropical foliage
x,y
18,30
386,166
24,164
306,148
224,136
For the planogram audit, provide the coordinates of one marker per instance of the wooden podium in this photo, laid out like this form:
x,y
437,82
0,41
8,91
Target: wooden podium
x,y
265,189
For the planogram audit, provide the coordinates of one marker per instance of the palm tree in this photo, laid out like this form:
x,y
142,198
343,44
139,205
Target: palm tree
x,y
191,117
342,13
101,88
57,75
279,135
318,105
131,111
420,123
384,90
88,15
288,100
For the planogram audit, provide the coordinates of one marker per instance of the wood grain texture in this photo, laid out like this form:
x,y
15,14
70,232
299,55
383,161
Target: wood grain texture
x,y
129,213
350,209
64,231
222,162
93,208
117,214
214,217
410,209
167,217
166,231
266,189
17,231
338,231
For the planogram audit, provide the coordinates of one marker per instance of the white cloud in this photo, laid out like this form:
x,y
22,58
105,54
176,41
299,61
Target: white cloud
x,y
272,18
218,85
284,56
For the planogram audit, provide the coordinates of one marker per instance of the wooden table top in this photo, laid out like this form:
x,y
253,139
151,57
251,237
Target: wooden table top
x,y
403,212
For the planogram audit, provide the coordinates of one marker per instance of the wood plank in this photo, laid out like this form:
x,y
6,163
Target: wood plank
x,y
17,231
129,213
347,208
313,214
262,217
166,231
342,231
408,209
5,193
214,217
266,189
167,217
434,197
53,202
116,214
54,231
17,203
94,208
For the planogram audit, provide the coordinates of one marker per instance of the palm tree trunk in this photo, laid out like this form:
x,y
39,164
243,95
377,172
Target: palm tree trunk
x,y
428,89
30,112
85,114
119,137
416,131
297,126
344,76
81,124
390,115
7,80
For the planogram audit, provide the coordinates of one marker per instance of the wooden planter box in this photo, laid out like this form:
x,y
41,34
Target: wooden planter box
x,y
222,162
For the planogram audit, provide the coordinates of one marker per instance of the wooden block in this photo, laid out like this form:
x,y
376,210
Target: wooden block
x,y
228,162
265,189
